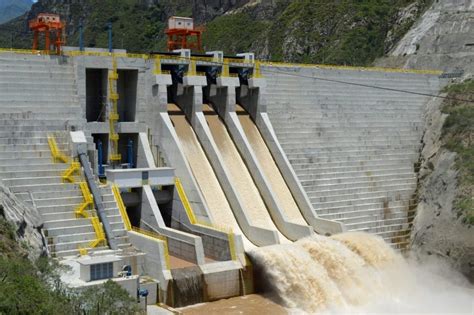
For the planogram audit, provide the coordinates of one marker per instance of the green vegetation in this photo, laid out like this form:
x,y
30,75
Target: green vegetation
x,y
35,288
223,33
458,136
311,31
136,26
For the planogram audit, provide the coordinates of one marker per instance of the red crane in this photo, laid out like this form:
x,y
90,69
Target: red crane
x,y
47,23
180,33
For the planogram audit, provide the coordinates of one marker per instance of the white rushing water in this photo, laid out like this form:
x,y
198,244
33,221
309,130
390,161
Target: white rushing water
x,y
357,273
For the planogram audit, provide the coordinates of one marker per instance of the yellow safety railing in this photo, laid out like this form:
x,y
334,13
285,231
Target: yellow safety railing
x,y
113,113
230,60
122,209
88,202
194,221
68,174
233,253
158,237
56,154
225,70
185,201
192,68
99,233
157,69
256,70
350,68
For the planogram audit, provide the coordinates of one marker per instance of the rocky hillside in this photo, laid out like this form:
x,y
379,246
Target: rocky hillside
x,y
10,9
321,31
441,39
445,214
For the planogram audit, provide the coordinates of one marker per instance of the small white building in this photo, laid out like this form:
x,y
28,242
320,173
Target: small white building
x,y
177,22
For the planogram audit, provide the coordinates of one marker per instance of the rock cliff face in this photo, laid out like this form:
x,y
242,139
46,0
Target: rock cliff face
x,y
441,39
26,220
438,229
207,10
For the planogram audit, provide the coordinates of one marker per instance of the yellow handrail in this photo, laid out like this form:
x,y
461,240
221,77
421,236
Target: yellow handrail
x,y
256,70
266,63
88,201
194,221
159,237
99,233
185,201
350,68
121,206
113,114
57,155
157,65
231,239
68,174
192,68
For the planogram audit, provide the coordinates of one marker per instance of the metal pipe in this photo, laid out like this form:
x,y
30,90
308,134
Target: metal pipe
x,y
109,25
81,36
82,152
130,153
100,153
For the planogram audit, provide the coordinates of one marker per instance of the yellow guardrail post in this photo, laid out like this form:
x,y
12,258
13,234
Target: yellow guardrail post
x,y
122,208
68,174
192,68
99,232
256,69
157,64
87,203
56,154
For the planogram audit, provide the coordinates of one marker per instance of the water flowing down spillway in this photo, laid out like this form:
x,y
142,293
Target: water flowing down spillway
x,y
354,273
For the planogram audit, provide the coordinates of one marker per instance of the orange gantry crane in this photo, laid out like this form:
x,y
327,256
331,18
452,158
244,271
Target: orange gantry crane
x,y
181,32
47,23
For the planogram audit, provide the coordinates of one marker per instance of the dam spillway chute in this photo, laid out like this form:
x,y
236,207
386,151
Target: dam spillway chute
x,y
204,175
240,176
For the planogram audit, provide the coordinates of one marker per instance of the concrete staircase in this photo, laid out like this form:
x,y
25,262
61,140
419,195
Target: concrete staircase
x,y
38,97
353,148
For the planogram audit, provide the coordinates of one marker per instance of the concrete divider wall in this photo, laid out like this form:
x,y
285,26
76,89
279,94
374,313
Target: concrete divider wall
x,y
252,98
216,243
155,264
170,147
291,230
180,244
225,101
257,235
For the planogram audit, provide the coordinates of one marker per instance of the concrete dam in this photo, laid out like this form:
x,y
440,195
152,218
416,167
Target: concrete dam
x,y
191,176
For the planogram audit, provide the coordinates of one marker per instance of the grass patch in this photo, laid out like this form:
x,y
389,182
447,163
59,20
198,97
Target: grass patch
x,y
458,136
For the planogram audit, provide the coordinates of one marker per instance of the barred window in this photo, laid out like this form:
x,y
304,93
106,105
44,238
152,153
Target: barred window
x,y
102,271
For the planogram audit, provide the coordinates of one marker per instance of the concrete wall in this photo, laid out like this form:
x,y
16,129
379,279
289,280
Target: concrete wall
x,y
154,262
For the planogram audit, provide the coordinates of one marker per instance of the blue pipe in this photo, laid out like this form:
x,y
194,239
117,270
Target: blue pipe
x,y
110,36
81,36
130,153
101,154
